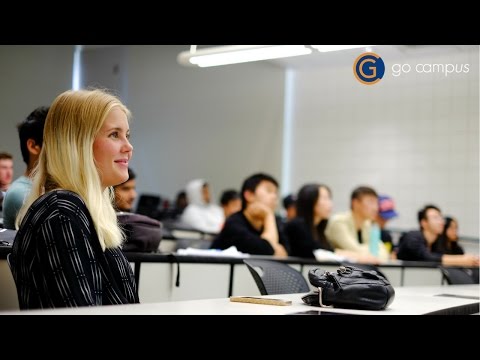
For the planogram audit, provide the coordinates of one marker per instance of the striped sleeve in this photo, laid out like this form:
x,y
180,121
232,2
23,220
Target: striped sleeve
x,y
125,279
70,271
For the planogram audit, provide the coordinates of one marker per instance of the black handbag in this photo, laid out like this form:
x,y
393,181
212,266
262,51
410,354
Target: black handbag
x,y
350,287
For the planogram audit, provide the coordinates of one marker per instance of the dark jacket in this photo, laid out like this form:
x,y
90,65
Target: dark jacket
x,y
302,243
413,247
238,232
57,259
443,246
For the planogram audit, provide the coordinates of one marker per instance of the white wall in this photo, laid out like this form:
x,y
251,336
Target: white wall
x,y
30,76
414,137
221,124
104,67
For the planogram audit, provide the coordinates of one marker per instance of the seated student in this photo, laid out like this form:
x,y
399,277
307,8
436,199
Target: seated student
x,y
289,204
143,234
447,242
351,230
386,212
30,132
67,251
417,245
231,202
255,229
125,193
306,232
200,213
181,202
6,171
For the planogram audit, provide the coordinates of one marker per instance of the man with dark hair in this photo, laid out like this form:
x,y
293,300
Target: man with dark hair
x,y
351,230
6,171
143,233
181,202
231,202
255,229
125,193
417,245
289,204
6,175
30,132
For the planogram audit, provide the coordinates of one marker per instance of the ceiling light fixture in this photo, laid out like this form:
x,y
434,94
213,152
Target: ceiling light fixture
x,y
233,54
326,48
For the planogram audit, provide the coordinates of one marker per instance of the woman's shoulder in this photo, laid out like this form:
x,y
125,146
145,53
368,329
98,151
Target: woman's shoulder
x,y
57,197
63,202
68,195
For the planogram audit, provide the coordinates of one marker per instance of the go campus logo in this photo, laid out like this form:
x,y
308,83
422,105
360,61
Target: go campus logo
x,y
369,68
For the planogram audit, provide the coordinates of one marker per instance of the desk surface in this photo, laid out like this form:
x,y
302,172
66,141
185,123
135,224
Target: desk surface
x,y
460,299
158,257
192,259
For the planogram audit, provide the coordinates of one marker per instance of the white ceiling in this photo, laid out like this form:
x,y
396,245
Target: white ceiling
x,y
343,57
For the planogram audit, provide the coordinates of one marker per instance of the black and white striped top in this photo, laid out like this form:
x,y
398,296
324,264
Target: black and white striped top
x,y
57,260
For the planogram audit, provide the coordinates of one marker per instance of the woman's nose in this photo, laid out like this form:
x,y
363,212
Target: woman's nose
x,y
128,146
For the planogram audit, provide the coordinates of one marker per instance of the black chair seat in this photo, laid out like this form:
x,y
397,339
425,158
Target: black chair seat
x,y
457,276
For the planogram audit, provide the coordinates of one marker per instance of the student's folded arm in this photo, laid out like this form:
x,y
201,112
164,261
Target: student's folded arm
x,y
247,242
270,231
418,247
270,234
460,260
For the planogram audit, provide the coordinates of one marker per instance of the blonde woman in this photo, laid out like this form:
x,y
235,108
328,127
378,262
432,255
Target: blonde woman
x,y
67,251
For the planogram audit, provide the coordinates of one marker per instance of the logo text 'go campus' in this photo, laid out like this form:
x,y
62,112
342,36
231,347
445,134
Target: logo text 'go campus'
x,y
369,68
445,69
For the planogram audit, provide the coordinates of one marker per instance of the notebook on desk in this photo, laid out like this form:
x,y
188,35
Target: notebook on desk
x,y
460,296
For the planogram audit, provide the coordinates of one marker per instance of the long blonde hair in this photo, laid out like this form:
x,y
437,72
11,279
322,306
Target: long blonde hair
x,y
67,162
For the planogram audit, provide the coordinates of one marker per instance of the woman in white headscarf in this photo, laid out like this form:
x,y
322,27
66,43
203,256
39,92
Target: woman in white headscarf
x,y
200,214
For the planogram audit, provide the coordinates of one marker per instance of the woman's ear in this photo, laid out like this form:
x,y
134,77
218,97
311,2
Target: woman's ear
x,y
33,147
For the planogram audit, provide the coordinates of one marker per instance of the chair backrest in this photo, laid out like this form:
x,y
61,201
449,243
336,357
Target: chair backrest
x,y
7,236
475,276
456,276
149,205
273,277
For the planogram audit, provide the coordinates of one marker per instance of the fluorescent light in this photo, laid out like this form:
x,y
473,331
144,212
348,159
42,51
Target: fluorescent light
x,y
223,55
326,48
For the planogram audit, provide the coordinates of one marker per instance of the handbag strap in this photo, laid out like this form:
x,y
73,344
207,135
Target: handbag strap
x,y
320,299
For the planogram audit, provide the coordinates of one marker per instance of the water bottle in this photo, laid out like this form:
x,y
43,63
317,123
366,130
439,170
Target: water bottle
x,y
374,242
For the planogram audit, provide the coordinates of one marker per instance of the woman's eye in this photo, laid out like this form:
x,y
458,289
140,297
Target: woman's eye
x,y
114,134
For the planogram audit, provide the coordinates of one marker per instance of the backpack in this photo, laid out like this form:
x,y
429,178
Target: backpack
x,y
143,234
7,236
